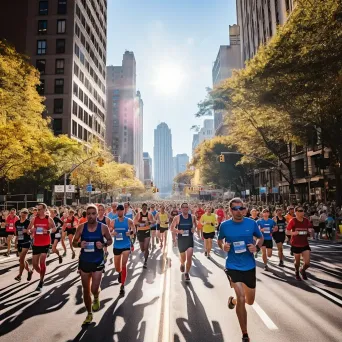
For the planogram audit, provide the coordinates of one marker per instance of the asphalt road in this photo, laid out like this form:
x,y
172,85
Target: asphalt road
x,y
159,306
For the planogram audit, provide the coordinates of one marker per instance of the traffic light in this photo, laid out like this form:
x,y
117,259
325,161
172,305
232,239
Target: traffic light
x,y
100,161
221,158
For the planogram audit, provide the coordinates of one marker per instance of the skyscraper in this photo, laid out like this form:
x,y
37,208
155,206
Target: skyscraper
x,y
180,162
207,131
195,142
138,137
147,168
258,21
67,42
163,162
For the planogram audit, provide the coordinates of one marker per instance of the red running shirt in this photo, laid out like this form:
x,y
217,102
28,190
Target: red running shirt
x,y
41,237
10,223
300,240
220,215
199,213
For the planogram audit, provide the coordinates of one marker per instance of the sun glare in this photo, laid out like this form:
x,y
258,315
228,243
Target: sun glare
x,y
168,78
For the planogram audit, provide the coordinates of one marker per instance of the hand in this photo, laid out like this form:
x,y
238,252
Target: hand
x,y
275,229
114,233
262,229
128,233
99,245
295,233
226,247
25,231
181,232
252,248
83,244
193,230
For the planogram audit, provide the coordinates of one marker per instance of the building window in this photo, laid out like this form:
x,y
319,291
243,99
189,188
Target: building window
x,y
57,126
40,65
41,47
58,106
80,131
43,7
42,26
60,45
59,66
41,87
80,113
74,108
77,30
77,50
59,86
62,7
61,26
74,128
75,89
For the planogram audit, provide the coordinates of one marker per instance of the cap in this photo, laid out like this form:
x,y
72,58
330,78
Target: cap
x,y
120,207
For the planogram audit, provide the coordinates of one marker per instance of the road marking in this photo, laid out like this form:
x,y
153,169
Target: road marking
x,y
265,318
311,283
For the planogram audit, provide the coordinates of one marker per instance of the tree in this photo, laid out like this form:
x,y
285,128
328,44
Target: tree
x,y
184,177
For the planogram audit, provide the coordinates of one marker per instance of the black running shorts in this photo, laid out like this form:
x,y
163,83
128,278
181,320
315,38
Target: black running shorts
x,y
40,249
246,277
89,267
143,234
298,250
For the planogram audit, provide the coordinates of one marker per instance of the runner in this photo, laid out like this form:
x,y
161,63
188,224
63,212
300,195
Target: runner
x,y
10,228
266,226
199,212
279,236
143,221
162,219
314,219
238,234
184,225
41,227
208,221
69,228
174,212
123,228
289,216
299,228
23,244
83,217
130,213
105,220
89,237
113,214
154,230
221,216
56,237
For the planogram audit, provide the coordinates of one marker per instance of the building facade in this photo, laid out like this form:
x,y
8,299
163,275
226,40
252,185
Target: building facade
x,y
124,119
207,131
147,168
163,161
180,162
195,142
67,42
258,21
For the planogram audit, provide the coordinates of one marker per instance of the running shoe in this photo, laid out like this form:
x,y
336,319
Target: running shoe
x,y
17,254
205,253
245,339
73,255
122,290
303,273
17,278
182,268
40,286
298,276
231,305
89,319
96,304
6,254
145,265
266,268
64,254
60,259
29,275
281,263
187,277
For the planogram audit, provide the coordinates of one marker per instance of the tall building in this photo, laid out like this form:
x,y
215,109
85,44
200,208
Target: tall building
x,y
258,21
147,167
180,162
228,59
163,161
195,142
67,42
125,114
207,131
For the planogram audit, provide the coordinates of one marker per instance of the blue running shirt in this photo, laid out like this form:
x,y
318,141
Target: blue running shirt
x,y
268,227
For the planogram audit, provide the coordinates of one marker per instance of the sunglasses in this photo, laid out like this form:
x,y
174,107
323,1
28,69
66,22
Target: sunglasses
x,y
238,208
300,211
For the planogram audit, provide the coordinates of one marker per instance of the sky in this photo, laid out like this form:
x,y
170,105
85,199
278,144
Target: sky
x,y
175,43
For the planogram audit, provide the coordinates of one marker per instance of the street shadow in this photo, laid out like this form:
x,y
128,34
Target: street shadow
x,y
199,271
197,327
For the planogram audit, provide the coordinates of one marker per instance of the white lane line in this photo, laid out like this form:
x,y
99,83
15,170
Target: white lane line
x,y
311,283
265,318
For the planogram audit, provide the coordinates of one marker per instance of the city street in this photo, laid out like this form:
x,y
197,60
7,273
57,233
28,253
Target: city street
x,y
159,306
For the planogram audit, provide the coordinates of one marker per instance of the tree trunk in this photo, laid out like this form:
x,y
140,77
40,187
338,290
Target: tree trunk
x,y
338,185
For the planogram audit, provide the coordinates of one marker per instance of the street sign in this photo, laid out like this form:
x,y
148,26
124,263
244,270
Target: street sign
x,y
70,188
89,187
60,188
262,190
275,190
40,198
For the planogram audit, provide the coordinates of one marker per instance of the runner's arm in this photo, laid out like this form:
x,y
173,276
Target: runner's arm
x,y
106,234
77,236
174,223
131,226
52,225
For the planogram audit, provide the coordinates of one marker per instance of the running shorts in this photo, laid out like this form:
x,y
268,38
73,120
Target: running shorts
x,y
40,249
184,243
268,244
209,235
246,277
298,250
143,234
89,267
71,231
118,251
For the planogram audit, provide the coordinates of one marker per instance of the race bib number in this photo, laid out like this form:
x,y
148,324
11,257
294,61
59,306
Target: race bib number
x,y
186,233
68,225
10,226
266,230
142,225
57,235
144,219
39,230
239,247
119,237
302,232
20,235
89,247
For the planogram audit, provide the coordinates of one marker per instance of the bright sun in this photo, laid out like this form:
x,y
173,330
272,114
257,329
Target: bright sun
x,y
168,78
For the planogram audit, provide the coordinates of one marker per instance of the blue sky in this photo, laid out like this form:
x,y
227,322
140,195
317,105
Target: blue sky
x,y
175,43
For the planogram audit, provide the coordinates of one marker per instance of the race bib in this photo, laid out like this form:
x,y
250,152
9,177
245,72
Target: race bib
x,y
144,219
186,233
57,235
142,225
119,237
68,225
266,230
10,226
239,246
89,247
302,232
39,230
20,235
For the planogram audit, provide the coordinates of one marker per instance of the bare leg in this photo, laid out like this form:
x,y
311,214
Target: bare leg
x,y
189,254
86,278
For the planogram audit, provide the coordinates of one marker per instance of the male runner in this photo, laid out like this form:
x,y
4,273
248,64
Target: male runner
x,y
184,225
289,216
266,226
40,228
299,228
123,228
69,229
154,227
23,243
105,220
314,219
56,237
162,219
143,220
10,228
279,235
199,212
238,234
89,237
174,212
208,222
221,216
